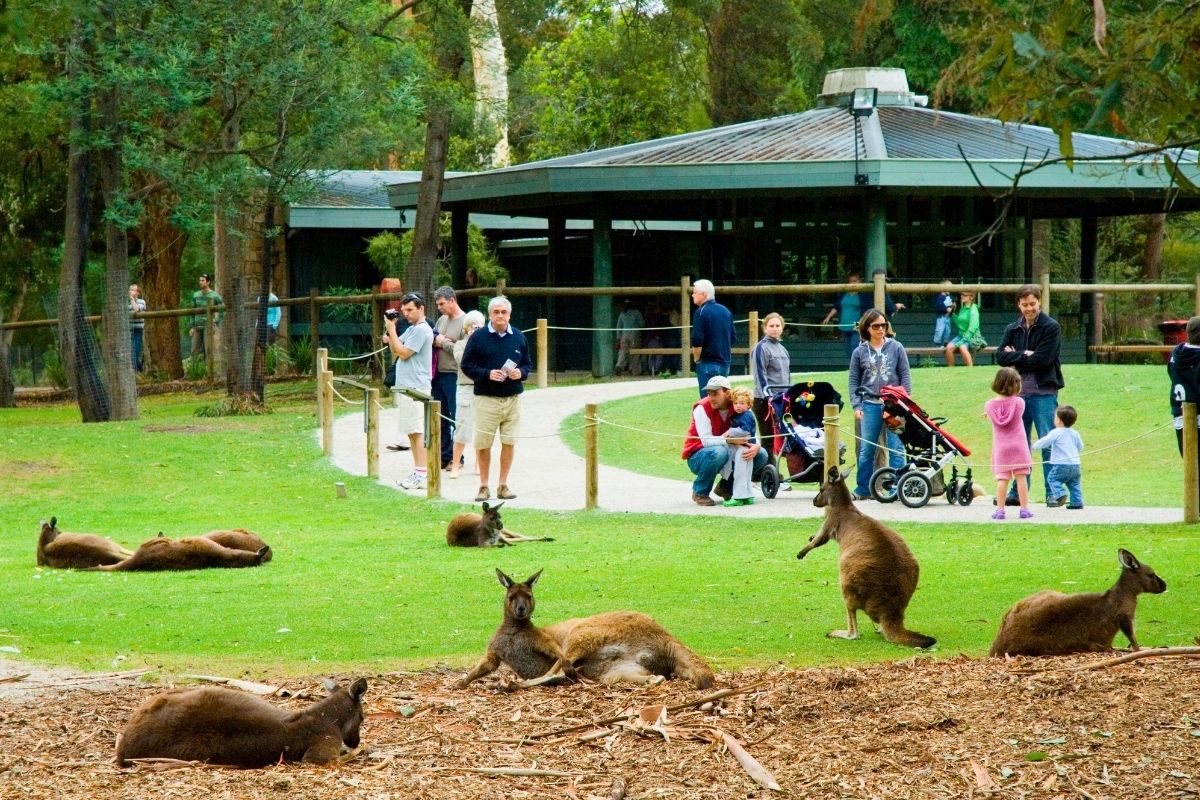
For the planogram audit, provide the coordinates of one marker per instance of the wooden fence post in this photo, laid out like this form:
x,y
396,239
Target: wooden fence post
x,y
1046,292
319,365
327,422
314,323
1097,325
591,457
372,412
879,296
685,331
543,353
376,330
752,337
1197,303
210,360
831,419
433,450
1191,470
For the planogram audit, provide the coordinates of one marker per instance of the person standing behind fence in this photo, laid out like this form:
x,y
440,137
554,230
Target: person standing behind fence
x,y
413,350
199,323
464,401
877,362
629,336
137,326
848,310
445,380
712,334
967,336
943,307
497,359
771,367
1183,368
274,315
1030,346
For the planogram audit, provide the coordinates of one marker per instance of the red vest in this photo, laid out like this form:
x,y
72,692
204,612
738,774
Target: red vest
x,y
719,425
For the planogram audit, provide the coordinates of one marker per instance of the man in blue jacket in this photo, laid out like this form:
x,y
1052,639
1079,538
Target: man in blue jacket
x,y
1030,346
497,359
712,334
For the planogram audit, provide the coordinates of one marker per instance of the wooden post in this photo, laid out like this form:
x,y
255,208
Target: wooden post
x,y
210,360
327,422
685,331
433,450
752,337
591,457
831,420
1097,326
543,353
1191,471
314,324
319,365
372,412
1046,292
880,295
501,286
376,329
1197,303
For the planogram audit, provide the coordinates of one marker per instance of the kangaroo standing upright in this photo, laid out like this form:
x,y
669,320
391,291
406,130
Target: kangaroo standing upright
x,y
878,572
1054,624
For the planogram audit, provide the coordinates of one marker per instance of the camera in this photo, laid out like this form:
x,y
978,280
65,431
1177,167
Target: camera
x,y
392,314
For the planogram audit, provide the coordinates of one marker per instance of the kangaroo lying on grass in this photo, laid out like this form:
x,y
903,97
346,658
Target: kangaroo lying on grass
x,y
1053,624
611,647
878,572
162,554
474,530
231,728
75,550
240,539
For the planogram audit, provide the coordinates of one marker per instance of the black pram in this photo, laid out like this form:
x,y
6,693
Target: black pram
x,y
798,447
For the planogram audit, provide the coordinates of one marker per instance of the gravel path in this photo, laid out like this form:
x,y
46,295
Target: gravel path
x,y
547,475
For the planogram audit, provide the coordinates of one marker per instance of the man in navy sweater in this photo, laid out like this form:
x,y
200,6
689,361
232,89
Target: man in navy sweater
x,y
712,334
497,359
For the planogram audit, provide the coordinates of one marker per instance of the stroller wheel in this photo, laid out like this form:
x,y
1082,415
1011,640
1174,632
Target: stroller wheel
x,y
883,485
914,489
952,492
966,493
768,482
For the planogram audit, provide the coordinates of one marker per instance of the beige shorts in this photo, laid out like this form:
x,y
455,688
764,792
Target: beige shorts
x,y
496,413
464,415
411,414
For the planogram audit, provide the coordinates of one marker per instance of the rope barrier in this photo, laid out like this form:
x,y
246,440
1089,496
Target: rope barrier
x,y
356,358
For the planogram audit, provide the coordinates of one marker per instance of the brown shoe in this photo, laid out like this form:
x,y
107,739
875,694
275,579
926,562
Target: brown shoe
x,y
482,494
724,489
702,499
505,493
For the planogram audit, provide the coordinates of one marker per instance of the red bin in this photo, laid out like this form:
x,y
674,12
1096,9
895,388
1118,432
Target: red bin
x,y
1174,331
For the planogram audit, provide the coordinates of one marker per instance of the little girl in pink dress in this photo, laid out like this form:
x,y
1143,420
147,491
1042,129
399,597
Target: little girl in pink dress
x,y
1010,443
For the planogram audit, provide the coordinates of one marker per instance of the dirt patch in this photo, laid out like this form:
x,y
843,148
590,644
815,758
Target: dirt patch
x,y
190,429
916,728
29,469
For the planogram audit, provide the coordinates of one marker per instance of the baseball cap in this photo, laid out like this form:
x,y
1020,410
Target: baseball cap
x,y
717,382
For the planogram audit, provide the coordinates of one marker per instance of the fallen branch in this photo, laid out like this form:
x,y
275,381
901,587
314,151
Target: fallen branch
x,y
1134,656
261,689
15,678
517,772
748,762
108,676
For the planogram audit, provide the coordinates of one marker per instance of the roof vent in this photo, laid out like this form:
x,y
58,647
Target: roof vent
x,y
891,82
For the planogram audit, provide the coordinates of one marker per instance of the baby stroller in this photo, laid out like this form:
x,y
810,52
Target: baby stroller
x,y
798,448
929,450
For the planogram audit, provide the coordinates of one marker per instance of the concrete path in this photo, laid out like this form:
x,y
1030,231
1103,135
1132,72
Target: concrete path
x,y
547,475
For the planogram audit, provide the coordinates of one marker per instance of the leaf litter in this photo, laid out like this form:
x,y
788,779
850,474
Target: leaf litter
x,y
917,728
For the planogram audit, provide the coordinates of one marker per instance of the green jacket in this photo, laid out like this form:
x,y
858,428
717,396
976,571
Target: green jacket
x,y
200,300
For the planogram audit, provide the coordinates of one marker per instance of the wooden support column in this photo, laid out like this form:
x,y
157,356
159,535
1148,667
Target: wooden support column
x,y
543,354
591,457
876,244
685,322
458,246
1191,501
555,264
602,305
314,325
372,422
1087,274
831,419
433,449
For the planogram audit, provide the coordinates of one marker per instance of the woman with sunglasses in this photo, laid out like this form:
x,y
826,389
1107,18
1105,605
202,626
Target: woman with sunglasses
x,y
878,361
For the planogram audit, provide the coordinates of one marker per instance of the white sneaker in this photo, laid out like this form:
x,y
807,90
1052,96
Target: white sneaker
x,y
413,481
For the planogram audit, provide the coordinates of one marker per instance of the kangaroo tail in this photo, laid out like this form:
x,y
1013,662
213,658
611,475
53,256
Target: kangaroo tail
x,y
895,632
690,666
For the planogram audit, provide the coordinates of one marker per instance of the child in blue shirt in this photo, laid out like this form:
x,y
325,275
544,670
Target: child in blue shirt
x,y
943,304
1064,444
741,426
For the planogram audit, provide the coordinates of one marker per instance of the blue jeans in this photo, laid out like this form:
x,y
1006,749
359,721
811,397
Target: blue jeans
x,y
850,340
706,464
872,425
1065,479
137,335
1039,414
706,370
445,391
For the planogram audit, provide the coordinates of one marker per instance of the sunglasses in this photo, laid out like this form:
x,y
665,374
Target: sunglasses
x,y
412,297
878,325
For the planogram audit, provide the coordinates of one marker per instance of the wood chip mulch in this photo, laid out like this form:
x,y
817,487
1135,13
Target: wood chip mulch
x,y
918,728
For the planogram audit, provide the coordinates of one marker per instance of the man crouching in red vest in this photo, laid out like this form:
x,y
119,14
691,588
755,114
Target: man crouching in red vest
x,y
705,448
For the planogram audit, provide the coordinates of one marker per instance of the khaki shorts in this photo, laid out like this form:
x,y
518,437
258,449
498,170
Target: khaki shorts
x,y
411,416
464,415
496,413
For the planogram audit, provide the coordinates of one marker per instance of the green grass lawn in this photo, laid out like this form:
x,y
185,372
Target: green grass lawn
x,y
1126,460
367,582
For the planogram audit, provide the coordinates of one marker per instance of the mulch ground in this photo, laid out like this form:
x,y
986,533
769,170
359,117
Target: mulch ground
x,y
913,728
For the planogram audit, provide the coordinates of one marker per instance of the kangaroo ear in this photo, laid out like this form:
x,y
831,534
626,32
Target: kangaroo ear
x,y
834,475
329,684
358,688
1127,559
54,522
496,507
485,506
532,579
505,581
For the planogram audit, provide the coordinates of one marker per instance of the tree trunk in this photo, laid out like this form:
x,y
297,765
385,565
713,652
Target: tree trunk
x,y
8,392
117,349
258,362
77,343
418,274
231,268
491,77
162,246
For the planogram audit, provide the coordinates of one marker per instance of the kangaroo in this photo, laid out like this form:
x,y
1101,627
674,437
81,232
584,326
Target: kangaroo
x,y
520,644
878,572
75,550
231,728
474,530
162,554
240,539
1053,624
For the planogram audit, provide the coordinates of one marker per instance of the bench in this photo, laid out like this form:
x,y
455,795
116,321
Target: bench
x,y
938,352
